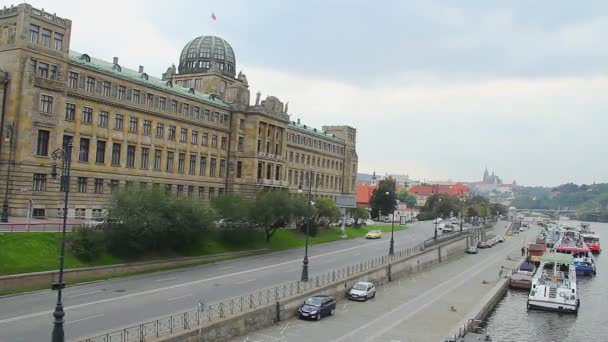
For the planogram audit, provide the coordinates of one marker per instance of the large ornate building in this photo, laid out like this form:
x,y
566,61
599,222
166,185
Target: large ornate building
x,y
193,131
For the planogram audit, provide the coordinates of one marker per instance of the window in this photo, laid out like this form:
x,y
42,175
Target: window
x,y
97,213
158,154
145,154
212,167
100,153
197,83
90,84
211,192
239,169
98,186
87,115
192,168
171,132
118,122
46,37
180,190
259,145
83,155
105,90
34,30
207,115
290,156
190,191
181,161
65,144
194,137
136,96
214,140
58,41
149,100
289,176
242,123
222,168
169,162
82,184
130,156
205,139
147,127
240,143
203,166
103,118
73,80
224,143
46,104
42,145
183,137
122,91
70,111
168,188
43,70
174,106
38,212
160,130
196,111
113,186
162,102
39,182
53,75
133,124
116,154
201,192
216,117
185,109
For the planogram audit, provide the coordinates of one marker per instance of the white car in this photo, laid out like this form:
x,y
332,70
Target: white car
x,y
369,222
362,290
437,220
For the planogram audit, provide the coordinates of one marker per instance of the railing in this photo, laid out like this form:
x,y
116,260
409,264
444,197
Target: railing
x,y
472,325
36,227
201,315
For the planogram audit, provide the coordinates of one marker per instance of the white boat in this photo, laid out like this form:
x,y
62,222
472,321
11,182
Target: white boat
x,y
554,285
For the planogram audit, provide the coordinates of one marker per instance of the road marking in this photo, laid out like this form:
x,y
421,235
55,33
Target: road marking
x,y
246,281
82,319
180,297
84,294
285,327
268,259
165,279
142,293
225,268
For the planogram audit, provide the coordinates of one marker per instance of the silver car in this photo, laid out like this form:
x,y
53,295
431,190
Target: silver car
x,y
362,291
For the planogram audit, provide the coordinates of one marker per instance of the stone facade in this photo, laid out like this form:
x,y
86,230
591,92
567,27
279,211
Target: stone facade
x,y
193,133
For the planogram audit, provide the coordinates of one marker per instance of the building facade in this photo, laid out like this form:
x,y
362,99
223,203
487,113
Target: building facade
x,y
193,131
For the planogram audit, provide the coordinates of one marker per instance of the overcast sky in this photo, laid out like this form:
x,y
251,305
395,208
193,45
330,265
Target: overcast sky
x,y
436,89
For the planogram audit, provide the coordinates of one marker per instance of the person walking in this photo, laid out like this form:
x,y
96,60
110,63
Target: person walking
x,y
523,251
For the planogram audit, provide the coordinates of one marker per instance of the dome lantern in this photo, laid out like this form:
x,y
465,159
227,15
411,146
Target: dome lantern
x,y
206,53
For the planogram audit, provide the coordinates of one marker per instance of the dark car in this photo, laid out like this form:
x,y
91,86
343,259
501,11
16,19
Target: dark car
x,y
317,306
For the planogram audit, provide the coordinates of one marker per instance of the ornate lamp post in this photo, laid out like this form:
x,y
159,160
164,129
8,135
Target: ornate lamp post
x,y
65,155
436,221
305,261
391,248
9,138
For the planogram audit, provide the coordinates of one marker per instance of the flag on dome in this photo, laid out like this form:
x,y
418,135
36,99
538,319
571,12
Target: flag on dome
x,y
213,16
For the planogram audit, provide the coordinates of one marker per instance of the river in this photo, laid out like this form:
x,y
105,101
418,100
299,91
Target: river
x,y
510,321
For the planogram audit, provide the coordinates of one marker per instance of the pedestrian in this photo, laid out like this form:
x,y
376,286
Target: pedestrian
x,y
523,251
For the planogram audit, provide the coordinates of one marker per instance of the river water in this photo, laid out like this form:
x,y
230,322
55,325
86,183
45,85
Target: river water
x,y
511,321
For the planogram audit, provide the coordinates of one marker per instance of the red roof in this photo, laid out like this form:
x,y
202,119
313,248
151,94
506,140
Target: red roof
x,y
364,193
428,190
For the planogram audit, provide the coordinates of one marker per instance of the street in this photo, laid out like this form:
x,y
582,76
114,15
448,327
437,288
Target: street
x,y
95,308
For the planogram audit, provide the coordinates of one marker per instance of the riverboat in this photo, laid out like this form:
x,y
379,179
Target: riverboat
x,y
593,242
574,245
554,285
536,251
522,277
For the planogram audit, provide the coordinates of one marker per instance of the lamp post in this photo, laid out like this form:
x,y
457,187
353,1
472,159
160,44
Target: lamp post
x,y
9,139
436,221
461,212
65,155
305,261
391,248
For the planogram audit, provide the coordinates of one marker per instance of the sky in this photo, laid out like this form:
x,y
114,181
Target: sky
x,y
436,89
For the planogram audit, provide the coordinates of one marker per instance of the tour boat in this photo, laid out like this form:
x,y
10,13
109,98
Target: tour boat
x,y
522,277
573,244
593,242
554,285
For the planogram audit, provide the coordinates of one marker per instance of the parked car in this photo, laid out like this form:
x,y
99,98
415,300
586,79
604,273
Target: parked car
x,y
317,306
350,222
521,229
500,238
362,290
471,250
483,244
373,234
369,222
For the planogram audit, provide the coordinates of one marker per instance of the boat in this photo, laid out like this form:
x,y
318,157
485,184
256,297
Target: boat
x,y
554,285
522,277
592,241
585,266
573,244
536,251
553,236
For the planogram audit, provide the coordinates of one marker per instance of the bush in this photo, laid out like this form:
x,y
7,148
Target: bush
x,y
313,230
86,244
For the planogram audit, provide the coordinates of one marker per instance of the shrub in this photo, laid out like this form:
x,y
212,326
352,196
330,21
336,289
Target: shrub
x,y
86,244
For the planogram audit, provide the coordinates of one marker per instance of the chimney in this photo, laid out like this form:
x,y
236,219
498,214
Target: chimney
x,y
115,60
141,69
298,121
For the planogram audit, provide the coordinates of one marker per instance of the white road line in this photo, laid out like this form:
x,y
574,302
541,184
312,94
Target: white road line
x,y
225,268
165,279
83,294
82,319
137,294
246,281
180,297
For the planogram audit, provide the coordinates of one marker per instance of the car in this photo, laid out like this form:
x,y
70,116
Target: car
x,y
437,220
509,233
350,222
373,234
472,250
317,306
500,238
483,244
369,222
362,290
521,229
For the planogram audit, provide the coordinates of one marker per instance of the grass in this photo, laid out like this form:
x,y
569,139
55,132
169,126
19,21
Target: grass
x,y
36,252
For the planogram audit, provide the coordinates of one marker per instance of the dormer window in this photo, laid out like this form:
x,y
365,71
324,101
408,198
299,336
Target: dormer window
x,y
117,67
169,84
85,58
191,91
144,76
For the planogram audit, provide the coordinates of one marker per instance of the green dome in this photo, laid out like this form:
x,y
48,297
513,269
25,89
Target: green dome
x,y
201,52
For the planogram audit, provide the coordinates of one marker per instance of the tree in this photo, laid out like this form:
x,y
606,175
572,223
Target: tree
x,y
358,214
326,208
300,209
441,206
384,198
231,207
272,210
403,195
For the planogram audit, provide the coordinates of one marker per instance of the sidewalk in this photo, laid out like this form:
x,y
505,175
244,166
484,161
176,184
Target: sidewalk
x,y
428,306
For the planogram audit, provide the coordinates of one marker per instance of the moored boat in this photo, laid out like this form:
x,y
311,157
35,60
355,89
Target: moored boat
x,y
593,242
522,277
554,285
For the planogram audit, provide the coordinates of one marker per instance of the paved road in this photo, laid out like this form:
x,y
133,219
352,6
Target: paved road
x,y
105,306
427,306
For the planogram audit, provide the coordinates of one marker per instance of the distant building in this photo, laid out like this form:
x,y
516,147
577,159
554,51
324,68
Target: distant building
x,y
423,192
490,178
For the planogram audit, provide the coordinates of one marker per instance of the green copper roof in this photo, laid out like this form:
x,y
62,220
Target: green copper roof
x,y
315,131
560,258
132,75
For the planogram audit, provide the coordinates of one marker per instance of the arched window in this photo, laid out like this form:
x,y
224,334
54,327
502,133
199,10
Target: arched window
x,y
86,58
144,76
117,67
169,84
191,91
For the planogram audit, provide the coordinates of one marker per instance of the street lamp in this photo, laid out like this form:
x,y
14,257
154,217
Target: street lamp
x,y
9,139
65,155
305,261
391,248
436,221
461,212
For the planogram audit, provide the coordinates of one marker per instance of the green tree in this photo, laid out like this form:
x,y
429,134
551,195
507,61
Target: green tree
x,y
403,195
358,214
231,207
384,198
300,209
271,210
441,206
326,208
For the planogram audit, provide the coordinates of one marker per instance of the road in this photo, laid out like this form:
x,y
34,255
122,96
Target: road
x,y
427,306
99,307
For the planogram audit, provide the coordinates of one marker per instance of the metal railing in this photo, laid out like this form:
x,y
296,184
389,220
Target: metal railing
x,y
36,227
248,302
472,325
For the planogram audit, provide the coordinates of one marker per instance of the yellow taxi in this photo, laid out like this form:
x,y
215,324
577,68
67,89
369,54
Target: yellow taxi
x,y
373,234
509,233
